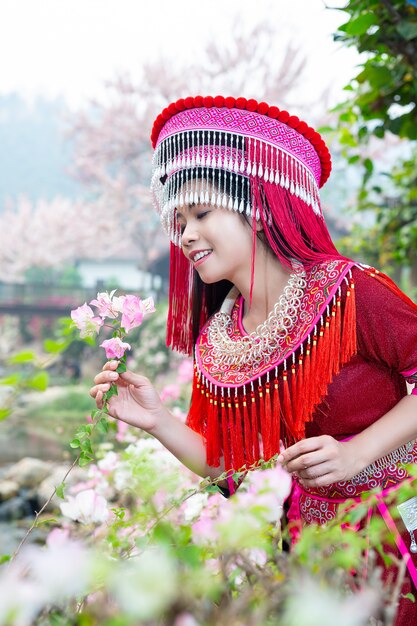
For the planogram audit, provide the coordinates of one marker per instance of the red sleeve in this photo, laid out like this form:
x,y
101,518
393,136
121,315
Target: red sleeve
x,y
386,326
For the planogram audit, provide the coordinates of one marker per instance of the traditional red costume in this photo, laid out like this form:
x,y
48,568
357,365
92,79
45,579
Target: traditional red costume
x,y
334,354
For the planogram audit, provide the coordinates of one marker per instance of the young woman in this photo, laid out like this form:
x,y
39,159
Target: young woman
x,y
298,350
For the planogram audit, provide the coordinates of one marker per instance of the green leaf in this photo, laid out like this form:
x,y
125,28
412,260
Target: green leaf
x,y
96,413
4,558
39,381
22,357
409,596
86,447
50,520
121,368
111,392
212,489
4,413
407,29
75,443
60,491
359,25
54,347
13,379
84,459
103,426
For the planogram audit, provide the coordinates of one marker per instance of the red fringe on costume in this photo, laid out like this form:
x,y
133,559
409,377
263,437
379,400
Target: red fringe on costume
x,y
250,425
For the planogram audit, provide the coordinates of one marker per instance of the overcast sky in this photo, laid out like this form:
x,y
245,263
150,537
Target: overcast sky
x,y
70,48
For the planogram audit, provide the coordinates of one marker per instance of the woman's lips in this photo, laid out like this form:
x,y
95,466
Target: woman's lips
x,y
202,259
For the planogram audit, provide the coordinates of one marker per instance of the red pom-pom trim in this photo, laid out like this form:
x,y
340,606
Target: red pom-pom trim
x,y
293,121
283,116
208,101
263,108
274,112
250,105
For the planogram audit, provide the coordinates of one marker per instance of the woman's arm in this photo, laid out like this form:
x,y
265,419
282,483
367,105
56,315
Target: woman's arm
x,y
139,405
320,461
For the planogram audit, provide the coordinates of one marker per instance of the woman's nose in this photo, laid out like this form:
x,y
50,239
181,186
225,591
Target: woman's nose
x,y
189,234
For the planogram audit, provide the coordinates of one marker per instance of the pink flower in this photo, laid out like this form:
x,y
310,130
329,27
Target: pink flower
x,y
132,313
185,371
87,507
84,319
108,305
135,310
115,348
148,306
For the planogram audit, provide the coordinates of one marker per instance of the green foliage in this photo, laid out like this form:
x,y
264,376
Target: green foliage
x,y
383,99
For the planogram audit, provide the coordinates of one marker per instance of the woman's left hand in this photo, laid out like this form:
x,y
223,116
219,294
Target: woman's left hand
x,y
320,461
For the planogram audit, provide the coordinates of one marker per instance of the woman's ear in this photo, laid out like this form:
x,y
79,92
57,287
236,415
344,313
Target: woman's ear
x,y
259,226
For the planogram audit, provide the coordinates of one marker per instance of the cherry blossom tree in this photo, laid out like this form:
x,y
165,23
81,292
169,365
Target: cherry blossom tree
x,y
112,147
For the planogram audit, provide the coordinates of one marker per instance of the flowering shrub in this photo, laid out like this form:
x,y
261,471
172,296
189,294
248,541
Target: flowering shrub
x,y
143,541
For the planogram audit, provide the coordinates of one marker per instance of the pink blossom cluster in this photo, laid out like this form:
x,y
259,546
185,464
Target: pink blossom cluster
x,y
131,308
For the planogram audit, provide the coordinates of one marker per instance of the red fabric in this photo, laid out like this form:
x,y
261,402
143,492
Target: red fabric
x,y
387,346
371,383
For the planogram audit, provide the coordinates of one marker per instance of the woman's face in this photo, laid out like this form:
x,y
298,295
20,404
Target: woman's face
x,y
217,241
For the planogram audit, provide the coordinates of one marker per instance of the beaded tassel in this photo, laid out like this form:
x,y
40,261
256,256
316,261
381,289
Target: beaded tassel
x,y
213,432
248,432
239,448
349,325
225,433
276,414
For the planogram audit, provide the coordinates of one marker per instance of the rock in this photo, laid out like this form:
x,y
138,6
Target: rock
x,y
15,509
28,472
54,479
8,489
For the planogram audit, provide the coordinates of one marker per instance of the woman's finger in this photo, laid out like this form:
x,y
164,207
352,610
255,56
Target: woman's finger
x,y
94,390
306,461
321,469
111,365
301,447
99,400
107,376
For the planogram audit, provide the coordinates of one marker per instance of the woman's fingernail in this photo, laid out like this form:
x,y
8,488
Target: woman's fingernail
x,y
114,375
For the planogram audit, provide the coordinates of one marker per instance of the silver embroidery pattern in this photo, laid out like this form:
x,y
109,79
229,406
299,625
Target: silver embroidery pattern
x,y
401,455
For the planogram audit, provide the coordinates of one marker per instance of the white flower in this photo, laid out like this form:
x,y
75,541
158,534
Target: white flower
x,y
46,568
193,506
86,507
20,599
109,462
312,605
145,586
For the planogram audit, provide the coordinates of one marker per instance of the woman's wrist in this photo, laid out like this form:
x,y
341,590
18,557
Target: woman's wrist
x,y
162,418
358,455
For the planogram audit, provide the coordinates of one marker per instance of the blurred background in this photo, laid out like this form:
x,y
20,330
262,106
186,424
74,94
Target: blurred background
x,y
80,85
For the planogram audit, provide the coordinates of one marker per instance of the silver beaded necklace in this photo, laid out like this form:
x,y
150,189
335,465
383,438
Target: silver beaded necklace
x,y
266,340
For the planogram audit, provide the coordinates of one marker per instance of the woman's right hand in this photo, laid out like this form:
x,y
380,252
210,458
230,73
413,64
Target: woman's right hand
x,y
137,402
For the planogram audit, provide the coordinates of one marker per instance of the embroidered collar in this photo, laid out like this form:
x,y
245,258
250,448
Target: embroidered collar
x,y
322,283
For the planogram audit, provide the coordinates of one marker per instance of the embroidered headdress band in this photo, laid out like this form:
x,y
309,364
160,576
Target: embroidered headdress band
x,y
208,149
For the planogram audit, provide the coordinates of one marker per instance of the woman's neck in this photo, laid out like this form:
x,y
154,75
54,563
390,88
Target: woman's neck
x,y
270,280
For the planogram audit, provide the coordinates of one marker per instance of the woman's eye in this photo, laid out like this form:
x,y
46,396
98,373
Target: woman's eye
x,y
202,214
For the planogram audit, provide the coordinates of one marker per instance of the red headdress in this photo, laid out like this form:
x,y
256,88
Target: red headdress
x,y
260,161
